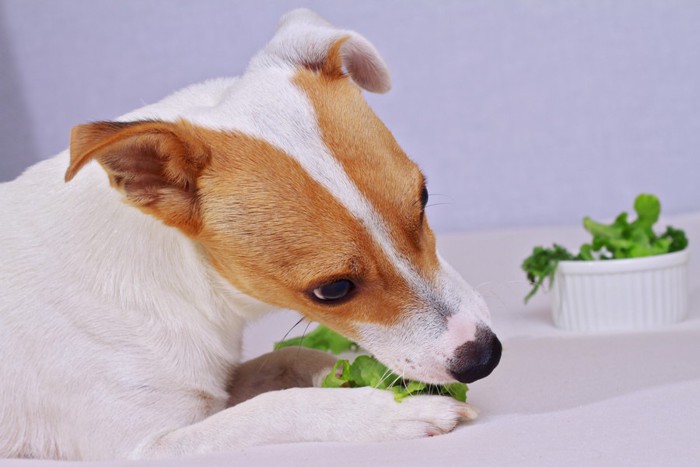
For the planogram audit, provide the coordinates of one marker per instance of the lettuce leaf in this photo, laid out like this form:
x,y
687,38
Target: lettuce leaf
x,y
366,370
321,338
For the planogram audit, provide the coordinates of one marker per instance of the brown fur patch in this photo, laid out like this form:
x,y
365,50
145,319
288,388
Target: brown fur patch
x,y
291,367
275,233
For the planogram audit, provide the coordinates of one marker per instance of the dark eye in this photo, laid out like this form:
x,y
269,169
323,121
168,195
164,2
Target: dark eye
x,y
424,197
334,291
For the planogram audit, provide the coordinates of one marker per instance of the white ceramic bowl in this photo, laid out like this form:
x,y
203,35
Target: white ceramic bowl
x,y
621,294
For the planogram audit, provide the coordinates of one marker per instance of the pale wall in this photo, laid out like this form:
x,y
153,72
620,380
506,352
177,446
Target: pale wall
x,y
521,113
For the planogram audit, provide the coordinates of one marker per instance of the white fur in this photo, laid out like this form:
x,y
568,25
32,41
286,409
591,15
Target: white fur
x,y
117,337
77,350
313,414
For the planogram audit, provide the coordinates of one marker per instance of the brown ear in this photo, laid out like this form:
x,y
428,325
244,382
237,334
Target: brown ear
x,y
154,164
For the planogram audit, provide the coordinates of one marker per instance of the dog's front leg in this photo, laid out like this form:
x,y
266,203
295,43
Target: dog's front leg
x,y
312,414
290,367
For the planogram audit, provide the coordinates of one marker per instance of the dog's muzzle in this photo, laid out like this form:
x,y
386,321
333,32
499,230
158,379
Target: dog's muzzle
x,y
476,359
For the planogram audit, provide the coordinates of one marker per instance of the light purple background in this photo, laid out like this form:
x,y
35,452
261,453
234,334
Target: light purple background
x,y
521,113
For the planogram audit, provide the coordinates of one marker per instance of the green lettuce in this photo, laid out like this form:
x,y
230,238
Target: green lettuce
x,y
620,239
321,338
366,370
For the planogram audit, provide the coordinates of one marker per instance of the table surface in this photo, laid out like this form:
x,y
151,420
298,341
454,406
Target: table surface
x,y
557,398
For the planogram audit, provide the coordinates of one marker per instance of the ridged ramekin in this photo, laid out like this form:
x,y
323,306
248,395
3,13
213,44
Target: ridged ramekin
x,y
621,294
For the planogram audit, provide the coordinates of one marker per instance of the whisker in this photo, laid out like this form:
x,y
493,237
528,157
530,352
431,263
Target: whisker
x,y
496,292
302,338
403,380
510,282
517,281
292,328
437,204
487,293
264,361
493,294
394,382
385,375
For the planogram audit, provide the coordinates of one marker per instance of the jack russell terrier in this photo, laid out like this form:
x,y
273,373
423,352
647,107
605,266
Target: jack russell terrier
x,y
124,293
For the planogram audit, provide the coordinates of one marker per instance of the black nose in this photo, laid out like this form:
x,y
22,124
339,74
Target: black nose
x,y
476,359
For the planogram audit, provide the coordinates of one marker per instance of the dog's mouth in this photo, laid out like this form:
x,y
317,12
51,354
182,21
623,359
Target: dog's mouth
x,y
469,362
430,377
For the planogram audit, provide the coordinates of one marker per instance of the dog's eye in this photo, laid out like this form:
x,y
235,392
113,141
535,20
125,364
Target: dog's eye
x,y
424,197
423,202
334,291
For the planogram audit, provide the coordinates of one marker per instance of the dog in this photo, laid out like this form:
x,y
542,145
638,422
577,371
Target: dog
x,y
126,287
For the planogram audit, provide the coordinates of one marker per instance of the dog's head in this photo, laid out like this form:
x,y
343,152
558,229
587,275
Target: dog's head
x,y
301,198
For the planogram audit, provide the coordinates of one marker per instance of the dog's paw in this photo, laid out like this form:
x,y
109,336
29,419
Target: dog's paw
x,y
420,416
431,415
413,417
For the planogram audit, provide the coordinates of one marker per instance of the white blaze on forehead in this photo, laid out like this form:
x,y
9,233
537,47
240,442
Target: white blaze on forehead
x,y
269,106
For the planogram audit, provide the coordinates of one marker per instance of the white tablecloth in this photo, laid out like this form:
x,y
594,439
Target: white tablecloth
x,y
557,398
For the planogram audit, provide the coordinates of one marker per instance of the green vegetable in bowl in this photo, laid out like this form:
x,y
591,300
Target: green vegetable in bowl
x,y
541,265
621,239
366,370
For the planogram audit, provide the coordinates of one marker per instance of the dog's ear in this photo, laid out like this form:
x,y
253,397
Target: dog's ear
x,y
154,164
303,38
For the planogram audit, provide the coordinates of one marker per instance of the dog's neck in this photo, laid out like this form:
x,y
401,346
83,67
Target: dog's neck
x,y
138,275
